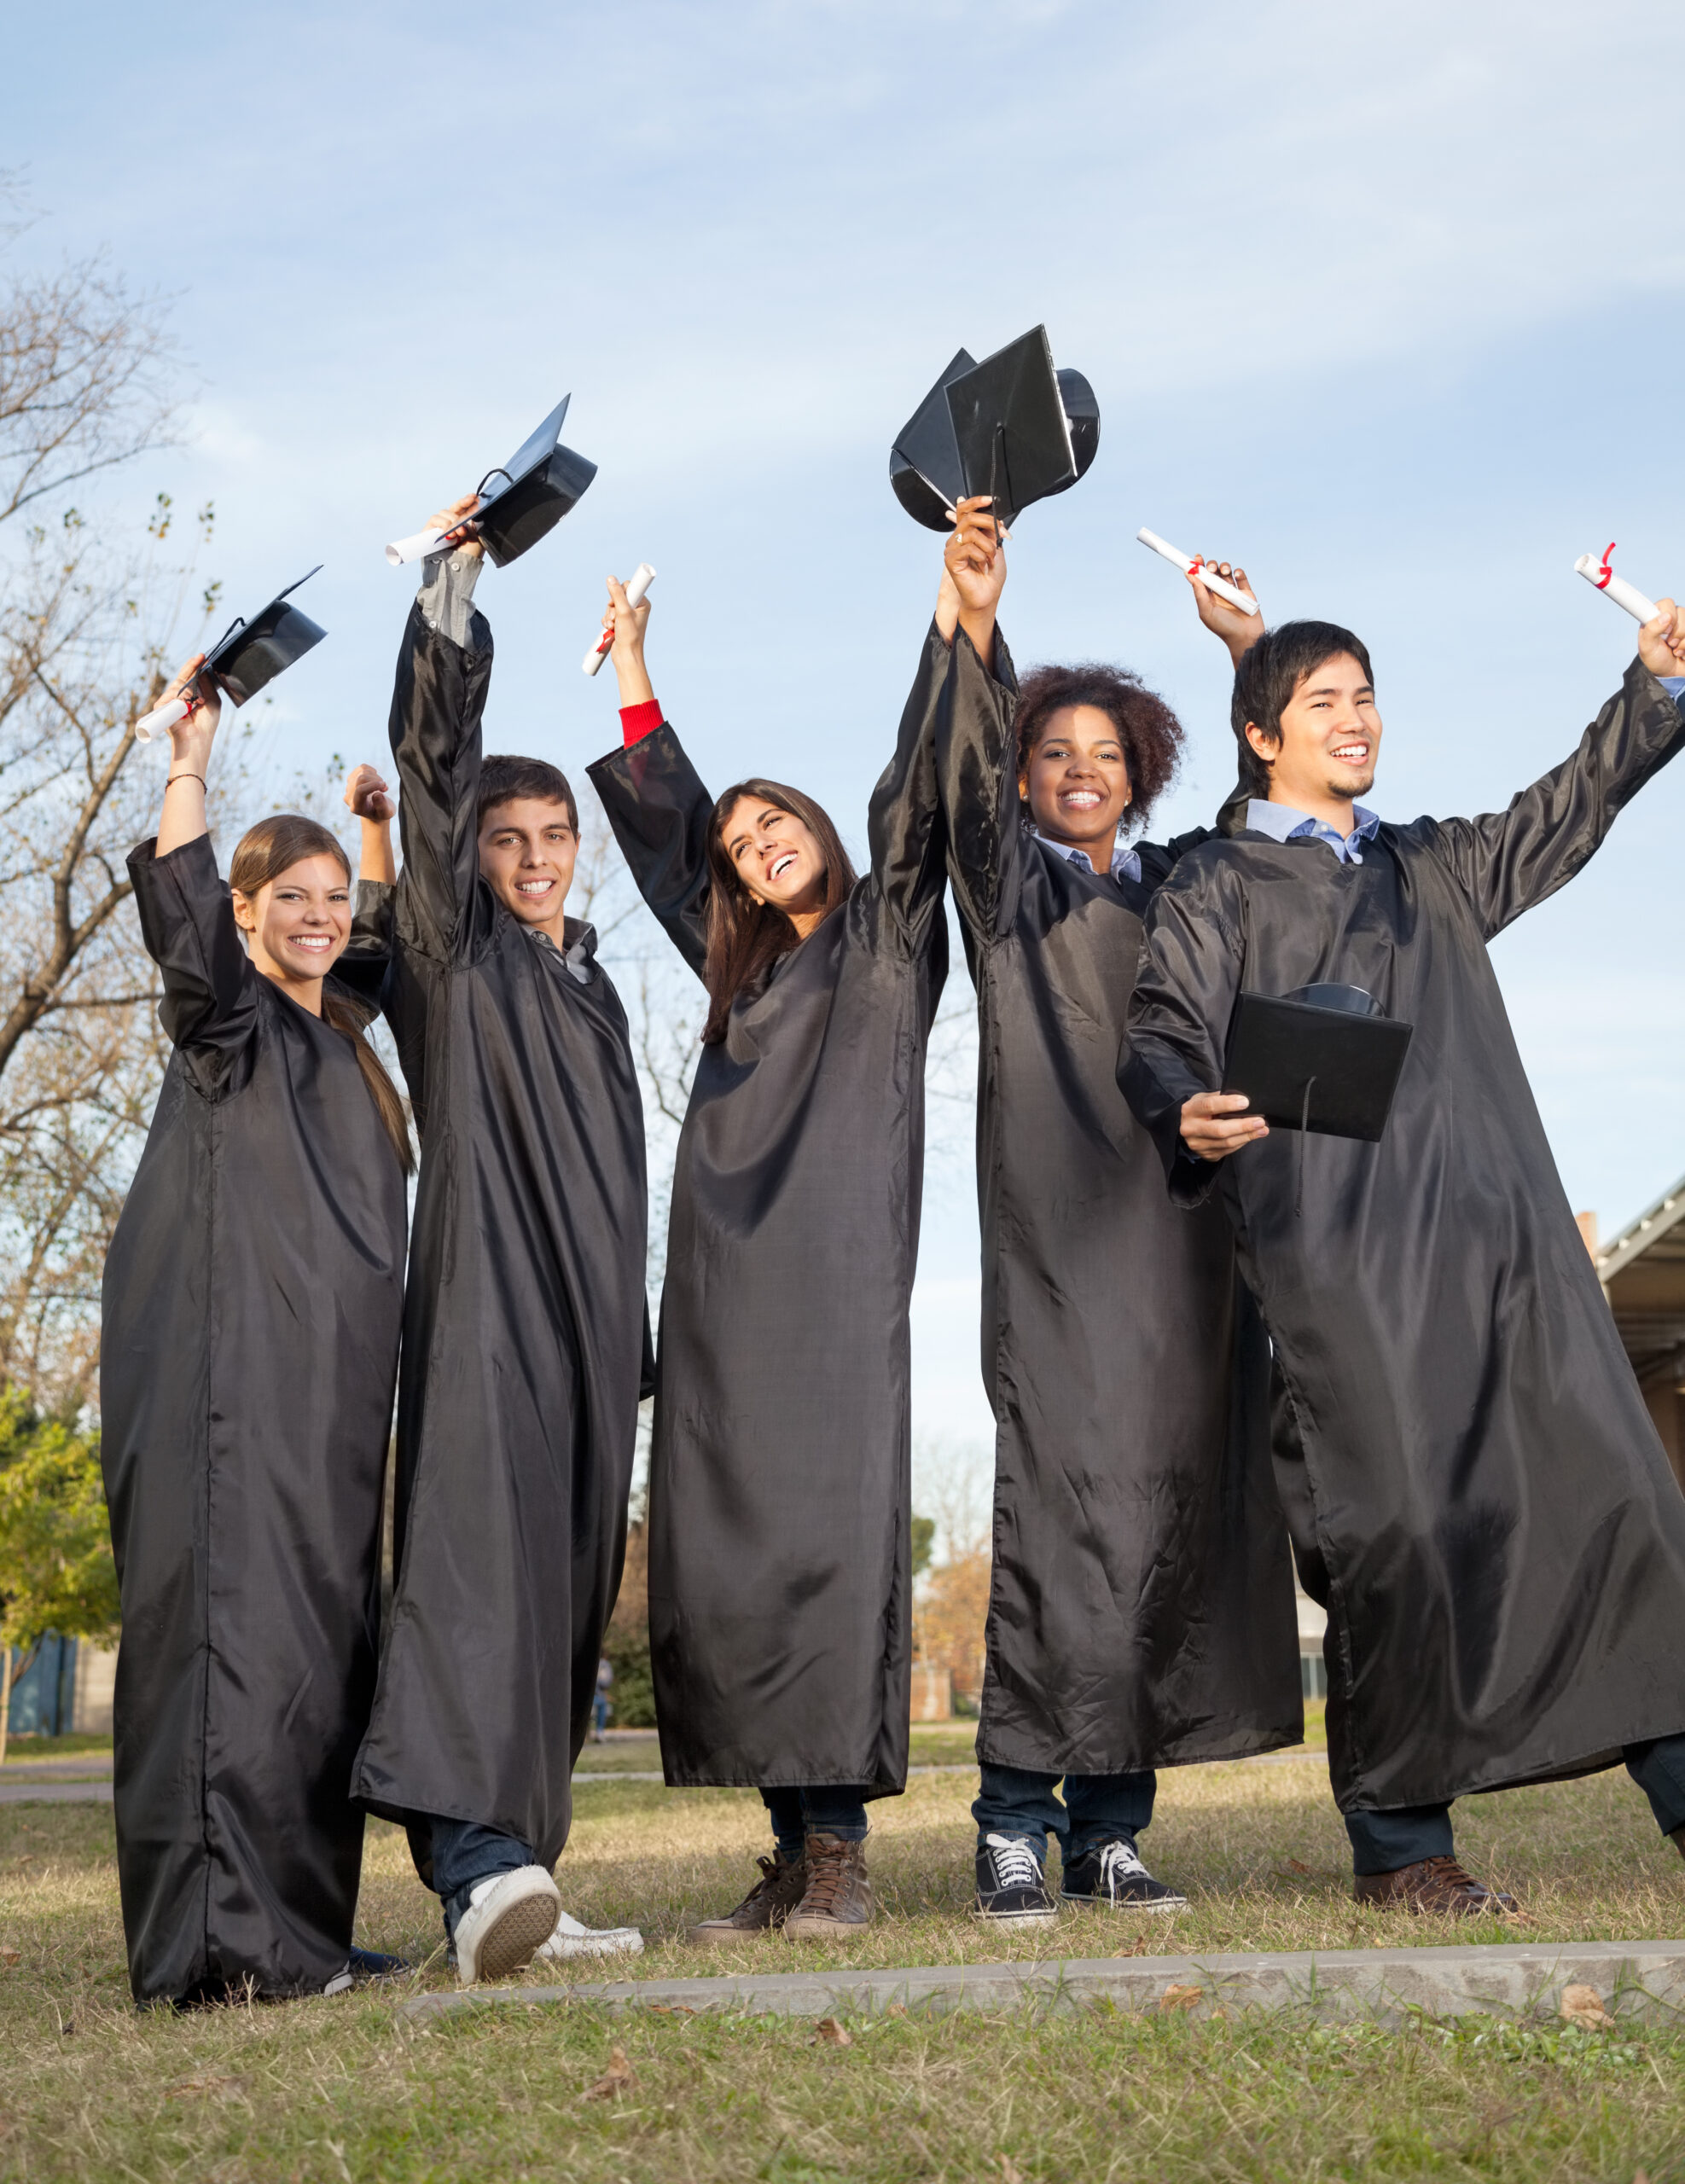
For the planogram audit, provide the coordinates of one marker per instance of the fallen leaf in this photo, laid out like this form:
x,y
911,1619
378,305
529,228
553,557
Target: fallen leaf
x,y
1583,2006
1137,1948
1010,2172
896,2009
1641,2176
10,1956
670,2009
1293,1866
208,2082
1182,1998
837,2035
618,2077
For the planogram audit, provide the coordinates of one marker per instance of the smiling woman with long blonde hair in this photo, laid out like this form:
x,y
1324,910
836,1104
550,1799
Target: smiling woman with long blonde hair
x,y
251,1305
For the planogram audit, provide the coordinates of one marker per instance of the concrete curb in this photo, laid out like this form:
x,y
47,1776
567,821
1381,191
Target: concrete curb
x,y
54,1793
1640,1979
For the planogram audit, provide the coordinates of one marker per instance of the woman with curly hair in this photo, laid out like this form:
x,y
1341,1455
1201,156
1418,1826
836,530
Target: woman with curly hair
x,y
1141,1613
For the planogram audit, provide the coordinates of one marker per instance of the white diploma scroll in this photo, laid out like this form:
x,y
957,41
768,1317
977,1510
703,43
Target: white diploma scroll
x,y
1190,565
1616,588
420,546
162,719
643,577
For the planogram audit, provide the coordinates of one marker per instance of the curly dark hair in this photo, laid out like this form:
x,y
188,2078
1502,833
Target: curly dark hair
x,y
1150,733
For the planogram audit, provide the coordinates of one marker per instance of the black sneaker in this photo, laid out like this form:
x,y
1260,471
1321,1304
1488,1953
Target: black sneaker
x,y
1011,1886
1112,1874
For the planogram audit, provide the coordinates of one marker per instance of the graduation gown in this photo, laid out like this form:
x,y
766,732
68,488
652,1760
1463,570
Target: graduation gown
x,y
249,1345
523,1324
1476,1488
780,1574
1141,1611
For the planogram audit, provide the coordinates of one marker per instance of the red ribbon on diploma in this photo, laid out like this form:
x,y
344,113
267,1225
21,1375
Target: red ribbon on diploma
x,y
1605,572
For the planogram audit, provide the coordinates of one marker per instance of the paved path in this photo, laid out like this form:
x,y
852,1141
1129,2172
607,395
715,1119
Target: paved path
x,y
1641,1979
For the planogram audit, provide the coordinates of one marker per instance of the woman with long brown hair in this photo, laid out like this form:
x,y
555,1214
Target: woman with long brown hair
x,y
780,1574
252,1306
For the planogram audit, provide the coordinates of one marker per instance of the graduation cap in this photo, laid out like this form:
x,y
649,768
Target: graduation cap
x,y
1013,427
249,654
541,480
1321,1059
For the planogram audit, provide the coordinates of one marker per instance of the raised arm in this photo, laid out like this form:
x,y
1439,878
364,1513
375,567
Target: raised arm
x,y
656,803
1508,861
1171,1063
904,829
977,735
443,672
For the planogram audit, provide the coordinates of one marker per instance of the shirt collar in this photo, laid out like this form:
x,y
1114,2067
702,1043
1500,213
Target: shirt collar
x,y
1126,859
1283,824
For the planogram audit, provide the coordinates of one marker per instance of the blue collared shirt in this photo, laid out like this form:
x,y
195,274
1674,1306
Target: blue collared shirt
x,y
1283,824
1125,861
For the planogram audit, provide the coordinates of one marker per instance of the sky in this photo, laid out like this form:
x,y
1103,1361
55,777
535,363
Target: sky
x,y
1386,303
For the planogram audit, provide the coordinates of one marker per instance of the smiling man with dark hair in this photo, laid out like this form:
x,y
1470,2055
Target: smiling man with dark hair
x,y
1474,1488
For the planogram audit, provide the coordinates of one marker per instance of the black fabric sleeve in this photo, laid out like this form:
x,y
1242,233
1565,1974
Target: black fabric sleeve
x,y
660,812
1505,861
437,701
361,970
977,767
210,1009
1191,960
904,829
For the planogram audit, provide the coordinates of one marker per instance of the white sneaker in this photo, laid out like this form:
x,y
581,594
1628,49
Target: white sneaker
x,y
571,1939
507,1918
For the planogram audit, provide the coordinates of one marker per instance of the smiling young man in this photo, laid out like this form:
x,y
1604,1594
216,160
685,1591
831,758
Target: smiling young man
x,y
1473,1485
1141,1609
525,1325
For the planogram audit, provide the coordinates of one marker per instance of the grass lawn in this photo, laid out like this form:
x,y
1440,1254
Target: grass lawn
x,y
346,2089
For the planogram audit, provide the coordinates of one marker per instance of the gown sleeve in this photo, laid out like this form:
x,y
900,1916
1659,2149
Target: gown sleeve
x,y
1508,861
977,765
660,812
436,704
210,1009
1191,959
361,970
904,827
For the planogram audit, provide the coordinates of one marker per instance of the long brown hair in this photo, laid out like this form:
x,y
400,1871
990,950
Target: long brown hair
x,y
273,847
747,937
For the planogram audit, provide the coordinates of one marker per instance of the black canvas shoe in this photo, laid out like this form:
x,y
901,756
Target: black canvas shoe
x,y
1112,1874
1011,1886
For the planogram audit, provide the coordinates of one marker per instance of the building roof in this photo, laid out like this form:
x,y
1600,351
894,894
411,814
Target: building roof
x,y
1642,1271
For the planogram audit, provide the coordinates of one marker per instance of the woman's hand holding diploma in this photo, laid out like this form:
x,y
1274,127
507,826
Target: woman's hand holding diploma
x,y
1661,643
191,735
628,623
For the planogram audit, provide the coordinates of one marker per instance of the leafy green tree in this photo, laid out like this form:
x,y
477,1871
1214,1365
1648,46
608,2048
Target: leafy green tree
x,y
56,1571
924,1543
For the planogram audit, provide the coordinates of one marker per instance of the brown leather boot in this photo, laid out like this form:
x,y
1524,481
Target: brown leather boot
x,y
1436,1885
768,1904
838,1901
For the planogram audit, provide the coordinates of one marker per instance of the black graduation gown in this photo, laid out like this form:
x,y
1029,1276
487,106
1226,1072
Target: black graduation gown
x,y
251,1303
780,1574
523,1324
1474,1483
1141,1613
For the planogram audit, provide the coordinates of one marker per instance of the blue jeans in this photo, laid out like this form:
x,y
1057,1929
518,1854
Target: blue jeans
x,y
1383,1842
828,1809
464,1854
1097,1807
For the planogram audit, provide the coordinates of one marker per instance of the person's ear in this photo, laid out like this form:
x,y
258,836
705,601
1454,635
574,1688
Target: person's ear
x,y
245,911
1264,745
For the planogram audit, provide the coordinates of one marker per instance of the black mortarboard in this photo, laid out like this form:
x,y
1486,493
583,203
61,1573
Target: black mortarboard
x,y
541,480
248,655
1321,1059
1011,426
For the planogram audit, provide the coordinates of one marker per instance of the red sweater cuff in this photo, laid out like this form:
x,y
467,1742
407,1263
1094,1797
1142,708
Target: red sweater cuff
x,y
638,720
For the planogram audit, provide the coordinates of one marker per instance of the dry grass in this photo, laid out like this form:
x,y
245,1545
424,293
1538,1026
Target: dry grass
x,y
346,2089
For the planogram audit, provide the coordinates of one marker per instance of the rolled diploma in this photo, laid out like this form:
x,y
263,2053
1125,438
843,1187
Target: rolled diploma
x,y
1185,563
162,719
643,577
420,546
1590,566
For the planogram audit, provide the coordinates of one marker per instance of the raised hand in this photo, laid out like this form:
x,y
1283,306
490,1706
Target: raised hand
x,y
974,565
1238,631
1661,643
368,794
190,739
629,624
1213,1125
453,521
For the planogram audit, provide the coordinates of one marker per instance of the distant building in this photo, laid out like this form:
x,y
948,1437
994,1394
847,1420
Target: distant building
x,y
1642,1271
